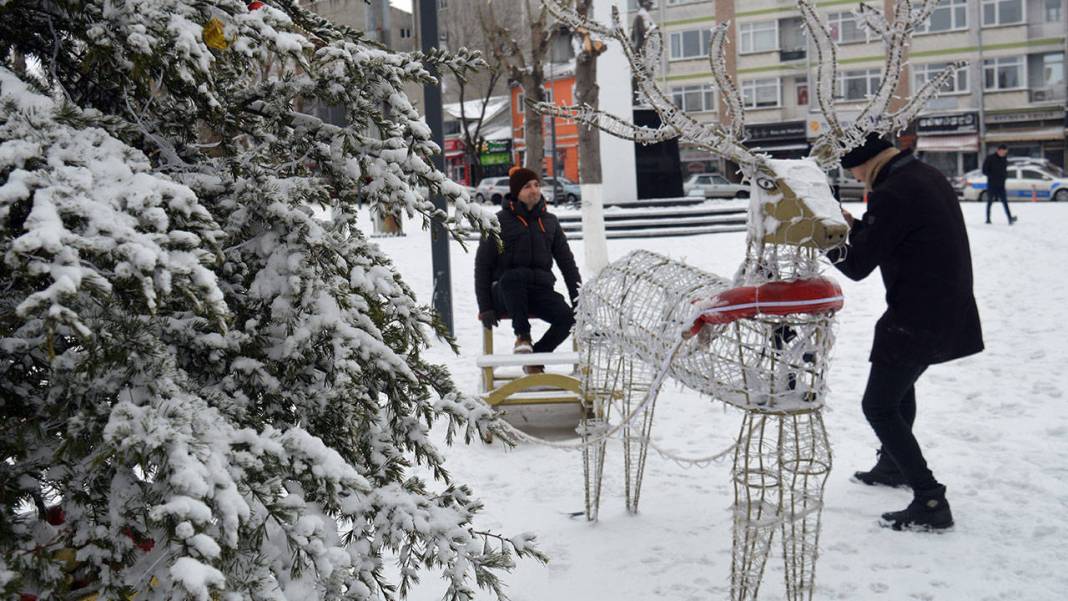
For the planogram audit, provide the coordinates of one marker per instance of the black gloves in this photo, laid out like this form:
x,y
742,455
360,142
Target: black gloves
x,y
488,319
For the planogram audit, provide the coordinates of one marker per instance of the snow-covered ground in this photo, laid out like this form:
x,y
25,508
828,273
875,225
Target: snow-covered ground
x,y
994,428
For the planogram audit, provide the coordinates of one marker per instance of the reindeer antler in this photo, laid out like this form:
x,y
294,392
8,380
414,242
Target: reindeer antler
x,y
676,123
876,115
732,98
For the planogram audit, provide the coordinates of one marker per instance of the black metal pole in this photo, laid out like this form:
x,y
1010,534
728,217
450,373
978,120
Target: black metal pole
x,y
439,238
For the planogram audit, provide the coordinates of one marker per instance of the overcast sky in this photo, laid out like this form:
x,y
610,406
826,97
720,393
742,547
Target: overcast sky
x,y
403,4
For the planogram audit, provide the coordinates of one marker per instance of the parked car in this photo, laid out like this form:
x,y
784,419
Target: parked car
x,y
491,189
1024,181
844,186
563,190
713,185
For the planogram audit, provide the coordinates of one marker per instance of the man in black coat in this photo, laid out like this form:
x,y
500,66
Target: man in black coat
x,y
913,231
996,168
517,279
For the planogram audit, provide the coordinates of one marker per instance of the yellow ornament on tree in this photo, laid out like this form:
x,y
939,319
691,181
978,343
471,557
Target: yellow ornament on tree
x,y
214,36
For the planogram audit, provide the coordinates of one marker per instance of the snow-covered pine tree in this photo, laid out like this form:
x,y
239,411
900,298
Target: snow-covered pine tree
x,y
207,392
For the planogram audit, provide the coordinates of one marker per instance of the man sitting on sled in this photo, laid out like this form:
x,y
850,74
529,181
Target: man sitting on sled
x,y
517,279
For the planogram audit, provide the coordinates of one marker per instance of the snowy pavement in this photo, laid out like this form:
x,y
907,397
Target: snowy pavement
x,y
994,428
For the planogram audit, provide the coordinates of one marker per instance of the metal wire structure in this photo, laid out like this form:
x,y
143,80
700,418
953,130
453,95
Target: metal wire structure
x,y
773,366
631,320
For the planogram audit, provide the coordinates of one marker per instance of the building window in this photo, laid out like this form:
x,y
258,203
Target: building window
x,y
695,98
948,15
443,3
845,28
1046,76
761,93
1052,10
1005,73
858,85
801,87
921,74
1002,12
690,44
633,5
405,33
758,37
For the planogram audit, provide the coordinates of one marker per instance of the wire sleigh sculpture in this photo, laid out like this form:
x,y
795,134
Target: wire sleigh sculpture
x,y
759,341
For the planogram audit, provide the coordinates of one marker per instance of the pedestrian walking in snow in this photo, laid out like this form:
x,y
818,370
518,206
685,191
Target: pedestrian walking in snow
x,y
517,279
913,231
995,168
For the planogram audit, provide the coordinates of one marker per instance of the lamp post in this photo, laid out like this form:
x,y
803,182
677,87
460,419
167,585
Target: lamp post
x,y
439,238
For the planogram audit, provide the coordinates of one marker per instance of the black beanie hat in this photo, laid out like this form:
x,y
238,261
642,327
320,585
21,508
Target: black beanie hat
x,y
517,178
873,145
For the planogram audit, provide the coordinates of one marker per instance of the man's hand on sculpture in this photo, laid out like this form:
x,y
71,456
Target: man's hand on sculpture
x,y
848,217
488,319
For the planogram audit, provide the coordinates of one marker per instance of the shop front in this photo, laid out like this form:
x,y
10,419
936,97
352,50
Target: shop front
x,y
495,156
949,142
786,140
455,165
697,160
1037,133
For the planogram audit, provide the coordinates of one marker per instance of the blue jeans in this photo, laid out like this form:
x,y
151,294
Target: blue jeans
x,y
993,194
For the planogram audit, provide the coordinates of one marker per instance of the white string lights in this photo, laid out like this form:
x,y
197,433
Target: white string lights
x,y
771,363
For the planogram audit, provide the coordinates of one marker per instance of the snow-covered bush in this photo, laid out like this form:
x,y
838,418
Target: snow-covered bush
x,y
208,392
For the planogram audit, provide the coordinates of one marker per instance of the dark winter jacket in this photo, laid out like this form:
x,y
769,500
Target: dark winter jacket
x,y
530,239
913,231
996,169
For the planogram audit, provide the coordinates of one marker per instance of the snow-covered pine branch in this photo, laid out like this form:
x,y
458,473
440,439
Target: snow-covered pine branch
x,y
209,390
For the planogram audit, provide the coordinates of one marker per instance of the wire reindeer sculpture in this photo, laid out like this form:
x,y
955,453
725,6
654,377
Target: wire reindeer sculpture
x,y
759,341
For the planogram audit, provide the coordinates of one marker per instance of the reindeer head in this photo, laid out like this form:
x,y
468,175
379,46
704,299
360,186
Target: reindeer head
x,y
793,205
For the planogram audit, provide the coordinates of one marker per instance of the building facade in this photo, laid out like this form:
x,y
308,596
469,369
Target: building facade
x,y
561,135
1012,91
492,122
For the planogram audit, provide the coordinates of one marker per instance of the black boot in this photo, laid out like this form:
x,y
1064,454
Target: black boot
x,y
928,511
885,472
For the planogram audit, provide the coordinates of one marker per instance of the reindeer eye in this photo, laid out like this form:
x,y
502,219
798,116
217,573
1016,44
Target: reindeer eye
x,y
766,183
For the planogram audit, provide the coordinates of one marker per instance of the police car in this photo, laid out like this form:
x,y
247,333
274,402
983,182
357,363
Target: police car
x,y
1026,180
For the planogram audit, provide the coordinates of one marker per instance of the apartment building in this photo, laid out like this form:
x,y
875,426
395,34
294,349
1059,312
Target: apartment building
x,y
388,25
1012,91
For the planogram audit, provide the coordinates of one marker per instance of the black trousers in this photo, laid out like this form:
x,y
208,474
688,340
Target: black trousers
x,y
993,194
890,406
516,294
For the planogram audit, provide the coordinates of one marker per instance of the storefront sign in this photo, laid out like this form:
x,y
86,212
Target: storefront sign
x,y
1044,115
763,132
454,145
958,123
496,152
494,146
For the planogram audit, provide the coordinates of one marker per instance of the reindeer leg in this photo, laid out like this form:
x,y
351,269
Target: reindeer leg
x,y
603,382
757,500
636,435
806,461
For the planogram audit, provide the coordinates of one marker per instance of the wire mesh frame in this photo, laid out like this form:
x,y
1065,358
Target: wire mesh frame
x,y
780,469
772,367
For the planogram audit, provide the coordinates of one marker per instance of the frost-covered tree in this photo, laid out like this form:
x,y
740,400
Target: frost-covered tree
x,y
208,390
